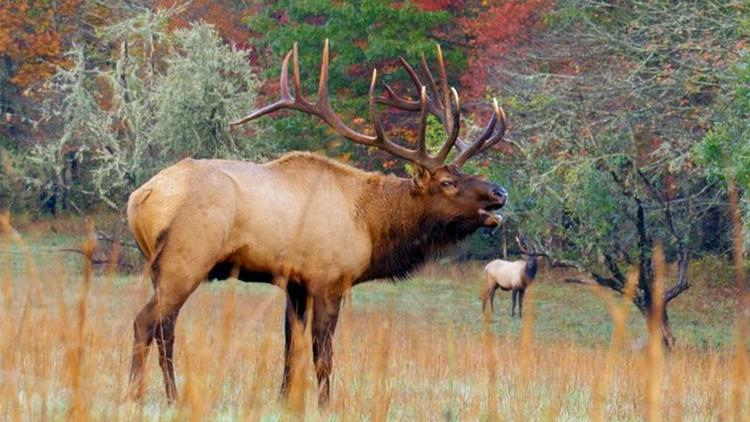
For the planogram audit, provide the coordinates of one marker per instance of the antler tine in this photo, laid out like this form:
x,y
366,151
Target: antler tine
x,y
472,149
431,81
412,73
323,84
373,110
422,146
499,136
285,101
521,245
297,84
394,100
284,78
446,101
453,136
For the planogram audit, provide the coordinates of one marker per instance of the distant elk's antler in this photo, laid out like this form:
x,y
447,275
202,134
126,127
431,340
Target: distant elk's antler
x,y
522,245
443,104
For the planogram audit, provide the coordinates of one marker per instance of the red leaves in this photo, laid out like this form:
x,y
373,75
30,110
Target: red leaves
x,y
436,5
494,31
493,28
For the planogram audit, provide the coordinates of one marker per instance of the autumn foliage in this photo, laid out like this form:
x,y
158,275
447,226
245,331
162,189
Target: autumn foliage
x,y
490,28
435,5
495,30
34,36
224,15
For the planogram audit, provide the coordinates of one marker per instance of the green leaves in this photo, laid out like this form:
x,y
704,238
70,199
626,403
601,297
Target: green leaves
x,y
726,147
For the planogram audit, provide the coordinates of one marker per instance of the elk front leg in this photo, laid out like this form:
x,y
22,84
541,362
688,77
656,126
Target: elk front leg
x,y
325,317
296,307
520,302
514,295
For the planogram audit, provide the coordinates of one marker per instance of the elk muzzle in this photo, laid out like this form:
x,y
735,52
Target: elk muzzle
x,y
497,198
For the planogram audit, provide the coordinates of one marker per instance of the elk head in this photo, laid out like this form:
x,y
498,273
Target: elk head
x,y
531,254
448,194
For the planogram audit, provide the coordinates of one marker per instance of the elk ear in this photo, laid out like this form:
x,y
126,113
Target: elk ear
x,y
421,177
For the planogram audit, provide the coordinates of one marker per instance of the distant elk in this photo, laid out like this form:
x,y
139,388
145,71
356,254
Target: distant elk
x,y
515,276
308,224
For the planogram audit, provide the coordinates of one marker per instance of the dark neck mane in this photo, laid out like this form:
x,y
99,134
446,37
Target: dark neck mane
x,y
404,232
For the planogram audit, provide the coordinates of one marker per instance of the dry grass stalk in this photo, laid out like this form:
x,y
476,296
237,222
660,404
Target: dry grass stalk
x,y
11,405
488,343
619,313
78,409
740,364
381,399
226,337
299,383
654,349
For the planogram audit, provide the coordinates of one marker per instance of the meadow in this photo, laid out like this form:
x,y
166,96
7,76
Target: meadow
x,y
414,350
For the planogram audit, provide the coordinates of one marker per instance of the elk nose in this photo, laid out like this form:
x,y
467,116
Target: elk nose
x,y
500,192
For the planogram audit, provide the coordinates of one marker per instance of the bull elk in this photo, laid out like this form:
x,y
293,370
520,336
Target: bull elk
x,y
311,225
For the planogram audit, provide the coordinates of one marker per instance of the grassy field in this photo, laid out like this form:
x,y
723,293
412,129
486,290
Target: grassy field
x,y
418,350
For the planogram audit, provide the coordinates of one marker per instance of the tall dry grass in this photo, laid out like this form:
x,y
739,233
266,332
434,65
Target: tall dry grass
x,y
67,338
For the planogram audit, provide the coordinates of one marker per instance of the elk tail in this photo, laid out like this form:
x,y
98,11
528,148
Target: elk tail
x,y
135,222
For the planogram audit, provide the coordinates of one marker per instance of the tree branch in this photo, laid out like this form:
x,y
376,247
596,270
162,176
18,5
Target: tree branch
x,y
682,278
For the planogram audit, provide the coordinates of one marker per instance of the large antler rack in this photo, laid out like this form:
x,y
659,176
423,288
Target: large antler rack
x,y
444,109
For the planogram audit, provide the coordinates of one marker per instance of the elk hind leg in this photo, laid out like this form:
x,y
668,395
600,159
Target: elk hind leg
x,y
296,310
325,317
143,334
173,285
164,335
488,296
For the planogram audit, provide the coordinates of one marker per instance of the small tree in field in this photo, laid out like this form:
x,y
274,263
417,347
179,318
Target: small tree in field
x,y
614,100
168,96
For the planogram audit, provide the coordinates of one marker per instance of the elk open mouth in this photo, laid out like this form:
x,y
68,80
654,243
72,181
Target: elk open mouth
x,y
490,215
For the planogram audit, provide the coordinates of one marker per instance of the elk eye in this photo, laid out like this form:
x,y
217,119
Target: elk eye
x,y
447,183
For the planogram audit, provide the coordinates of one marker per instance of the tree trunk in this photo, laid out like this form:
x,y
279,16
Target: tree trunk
x,y
667,336
505,243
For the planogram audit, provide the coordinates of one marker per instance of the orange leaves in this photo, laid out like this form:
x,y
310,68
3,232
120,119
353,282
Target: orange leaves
x,y
34,34
223,15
